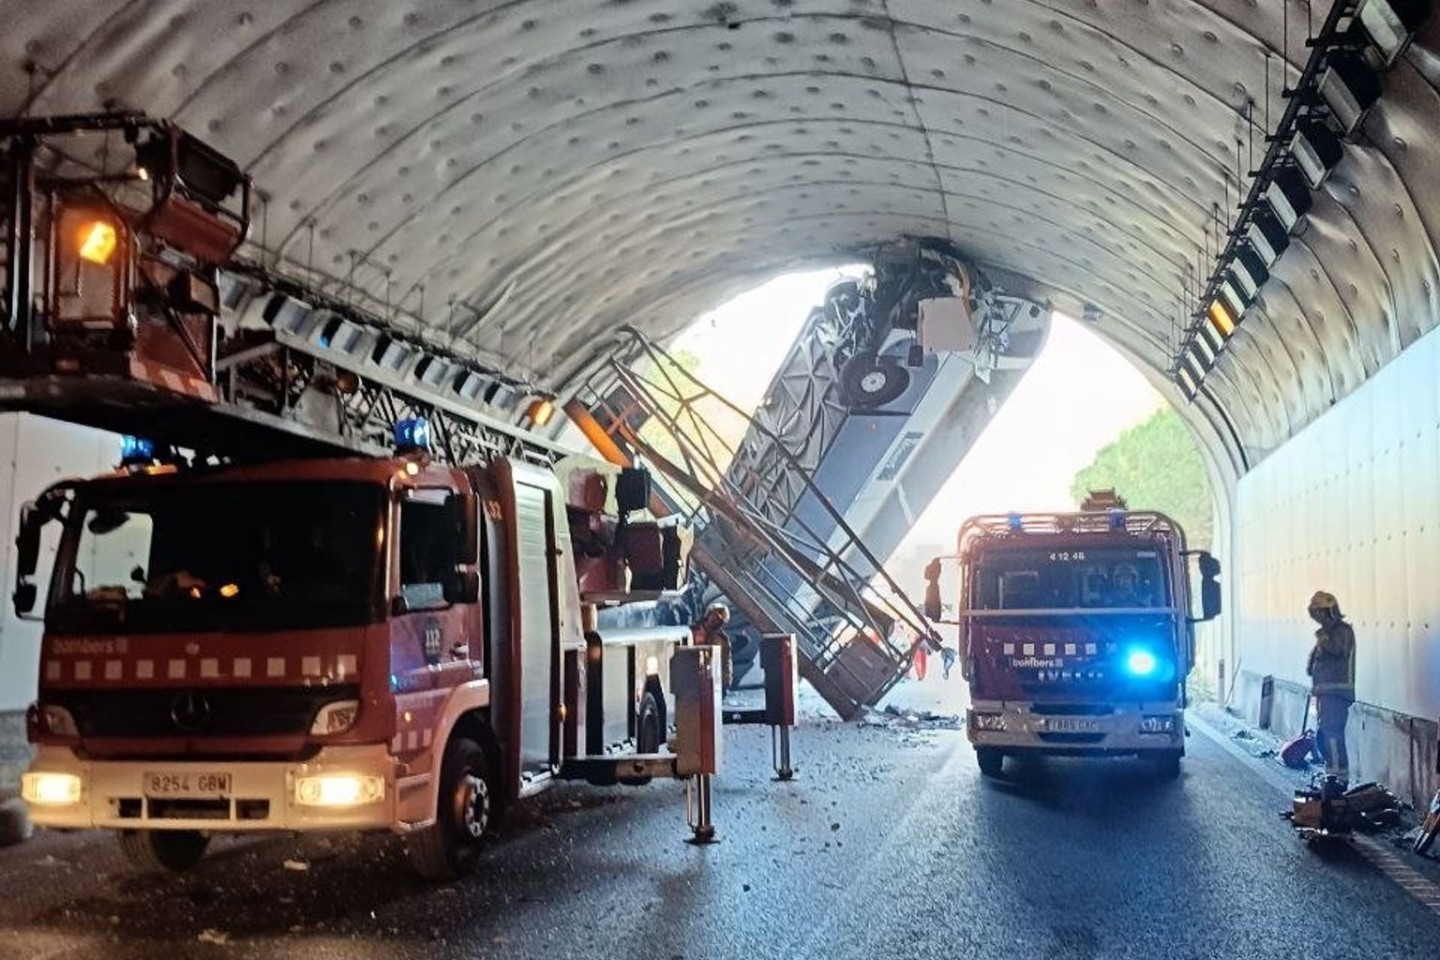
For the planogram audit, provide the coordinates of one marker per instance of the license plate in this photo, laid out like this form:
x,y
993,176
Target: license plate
x,y
1069,725
190,786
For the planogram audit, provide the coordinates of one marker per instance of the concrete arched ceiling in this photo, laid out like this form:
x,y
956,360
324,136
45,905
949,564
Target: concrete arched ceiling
x,y
545,170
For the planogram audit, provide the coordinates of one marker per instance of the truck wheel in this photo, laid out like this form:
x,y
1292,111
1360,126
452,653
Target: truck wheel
x,y
871,382
450,847
1167,766
174,850
648,735
992,761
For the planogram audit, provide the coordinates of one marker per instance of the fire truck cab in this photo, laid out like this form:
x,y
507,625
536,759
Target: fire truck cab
x,y
329,644
1076,634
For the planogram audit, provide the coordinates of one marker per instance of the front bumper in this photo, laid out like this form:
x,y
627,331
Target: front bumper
x,y
261,795
1117,733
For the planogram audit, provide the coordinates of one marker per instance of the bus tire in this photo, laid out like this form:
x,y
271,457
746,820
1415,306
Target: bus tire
x,y
170,850
465,808
991,760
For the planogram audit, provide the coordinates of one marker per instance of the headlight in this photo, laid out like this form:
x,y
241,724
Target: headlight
x,y
335,717
338,790
994,722
1159,724
50,789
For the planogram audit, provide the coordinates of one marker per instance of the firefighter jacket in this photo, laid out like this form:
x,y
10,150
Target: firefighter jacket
x,y
1332,661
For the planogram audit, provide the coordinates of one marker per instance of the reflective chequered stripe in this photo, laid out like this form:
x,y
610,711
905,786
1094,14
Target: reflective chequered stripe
x,y
113,670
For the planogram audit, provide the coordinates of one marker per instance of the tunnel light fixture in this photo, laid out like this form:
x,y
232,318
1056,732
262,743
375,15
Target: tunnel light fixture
x,y
1316,150
1221,318
1232,297
1188,383
1213,338
1267,234
1289,197
1248,272
1194,365
1390,24
1339,83
1206,352
1350,88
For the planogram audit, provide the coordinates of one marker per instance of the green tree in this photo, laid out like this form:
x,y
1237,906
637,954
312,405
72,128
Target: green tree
x,y
1155,466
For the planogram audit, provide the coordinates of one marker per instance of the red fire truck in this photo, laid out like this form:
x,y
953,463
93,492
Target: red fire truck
x,y
358,644
1076,633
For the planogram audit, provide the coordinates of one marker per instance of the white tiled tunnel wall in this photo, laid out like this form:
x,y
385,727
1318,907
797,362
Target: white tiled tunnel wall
x,y
1352,505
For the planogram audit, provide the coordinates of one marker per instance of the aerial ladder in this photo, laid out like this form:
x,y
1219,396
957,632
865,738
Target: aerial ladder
x,y
128,307
788,570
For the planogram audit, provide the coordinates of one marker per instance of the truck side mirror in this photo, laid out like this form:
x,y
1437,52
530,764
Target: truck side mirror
x,y
1209,599
27,553
932,590
24,597
27,541
1209,585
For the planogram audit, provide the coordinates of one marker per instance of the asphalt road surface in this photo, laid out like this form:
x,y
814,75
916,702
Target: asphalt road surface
x,y
888,844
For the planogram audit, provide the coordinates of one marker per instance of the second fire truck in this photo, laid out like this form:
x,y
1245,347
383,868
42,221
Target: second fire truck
x,y
1076,633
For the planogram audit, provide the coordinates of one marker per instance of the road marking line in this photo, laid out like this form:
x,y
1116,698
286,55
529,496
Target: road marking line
x,y
1417,885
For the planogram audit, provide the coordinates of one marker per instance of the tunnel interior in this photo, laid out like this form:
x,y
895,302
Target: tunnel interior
x,y
514,181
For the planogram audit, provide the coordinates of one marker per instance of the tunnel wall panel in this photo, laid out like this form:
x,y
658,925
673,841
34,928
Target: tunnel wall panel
x,y
1350,505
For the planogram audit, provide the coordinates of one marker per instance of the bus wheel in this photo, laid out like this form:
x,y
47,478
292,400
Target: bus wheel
x,y
1167,766
174,850
992,761
450,847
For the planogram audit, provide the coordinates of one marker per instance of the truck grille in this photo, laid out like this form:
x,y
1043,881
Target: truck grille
x,y
191,713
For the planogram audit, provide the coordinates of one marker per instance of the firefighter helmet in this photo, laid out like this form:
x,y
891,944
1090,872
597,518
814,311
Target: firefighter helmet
x,y
1324,601
720,610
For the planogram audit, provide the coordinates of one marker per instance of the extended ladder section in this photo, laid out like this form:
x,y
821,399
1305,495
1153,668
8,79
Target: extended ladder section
x,y
124,306
801,572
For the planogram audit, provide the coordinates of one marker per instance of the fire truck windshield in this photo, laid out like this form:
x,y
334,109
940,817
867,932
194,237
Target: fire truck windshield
x,y
169,557
1069,579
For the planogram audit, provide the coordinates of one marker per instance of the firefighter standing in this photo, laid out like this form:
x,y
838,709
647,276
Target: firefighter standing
x,y
1332,681
711,631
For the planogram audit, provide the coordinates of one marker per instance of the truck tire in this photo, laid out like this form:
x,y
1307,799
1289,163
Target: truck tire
x,y
450,847
649,724
1167,766
649,732
172,850
992,761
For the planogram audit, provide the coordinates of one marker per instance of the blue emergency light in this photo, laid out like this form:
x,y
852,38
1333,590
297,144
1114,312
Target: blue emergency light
x,y
1117,519
136,451
412,435
1015,522
1140,662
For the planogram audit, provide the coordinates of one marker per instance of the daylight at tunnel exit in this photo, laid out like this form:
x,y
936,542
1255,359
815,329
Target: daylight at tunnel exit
x,y
705,480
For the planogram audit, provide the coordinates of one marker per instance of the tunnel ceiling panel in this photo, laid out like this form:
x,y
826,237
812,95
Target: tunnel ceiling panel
x,y
523,177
